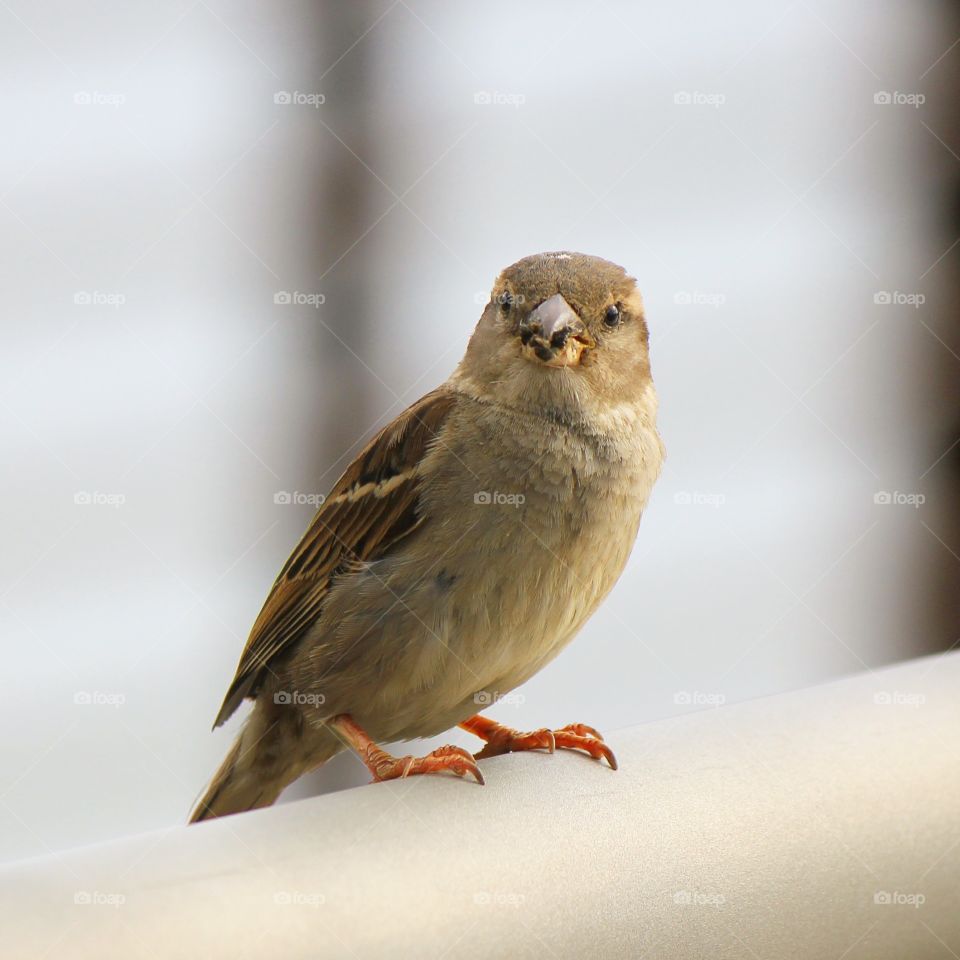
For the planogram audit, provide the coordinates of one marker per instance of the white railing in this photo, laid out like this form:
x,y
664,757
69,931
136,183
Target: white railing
x,y
819,824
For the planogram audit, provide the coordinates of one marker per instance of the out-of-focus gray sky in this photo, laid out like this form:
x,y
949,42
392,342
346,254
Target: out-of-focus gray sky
x,y
235,240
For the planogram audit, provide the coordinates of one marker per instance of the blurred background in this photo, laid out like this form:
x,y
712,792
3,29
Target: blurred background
x,y
237,238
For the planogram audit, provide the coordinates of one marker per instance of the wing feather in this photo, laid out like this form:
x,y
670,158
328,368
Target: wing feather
x,y
371,507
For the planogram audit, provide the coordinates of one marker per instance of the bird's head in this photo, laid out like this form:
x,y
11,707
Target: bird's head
x,y
562,330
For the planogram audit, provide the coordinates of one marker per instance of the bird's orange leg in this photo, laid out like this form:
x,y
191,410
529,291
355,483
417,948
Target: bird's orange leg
x,y
385,767
574,736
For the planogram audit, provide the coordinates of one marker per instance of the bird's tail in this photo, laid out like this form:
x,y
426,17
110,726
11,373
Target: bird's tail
x,y
273,749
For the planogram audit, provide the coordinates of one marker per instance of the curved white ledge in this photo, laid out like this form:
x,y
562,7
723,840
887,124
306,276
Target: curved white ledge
x,y
822,823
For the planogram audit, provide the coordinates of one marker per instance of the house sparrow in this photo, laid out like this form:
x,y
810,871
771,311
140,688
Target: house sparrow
x,y
464,547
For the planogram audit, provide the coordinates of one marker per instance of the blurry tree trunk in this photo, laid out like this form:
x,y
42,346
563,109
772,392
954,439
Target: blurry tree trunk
x,y
346,212
344,269
943,477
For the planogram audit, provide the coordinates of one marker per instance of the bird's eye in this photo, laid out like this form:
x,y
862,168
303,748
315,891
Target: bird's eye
x,y
505,300
611,316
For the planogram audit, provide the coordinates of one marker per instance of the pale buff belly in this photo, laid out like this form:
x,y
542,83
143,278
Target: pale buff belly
x,y
482,598
424,644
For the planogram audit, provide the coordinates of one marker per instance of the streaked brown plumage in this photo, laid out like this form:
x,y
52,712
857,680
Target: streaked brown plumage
x,y
464,547
350,528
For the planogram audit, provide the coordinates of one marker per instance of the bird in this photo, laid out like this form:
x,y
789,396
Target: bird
x,y
463,548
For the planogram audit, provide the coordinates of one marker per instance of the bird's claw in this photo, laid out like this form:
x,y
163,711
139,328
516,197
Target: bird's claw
x,y
574,736
455,759
594,745
581,730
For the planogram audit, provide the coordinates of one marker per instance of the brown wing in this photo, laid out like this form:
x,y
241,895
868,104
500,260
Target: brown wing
x,y
368,510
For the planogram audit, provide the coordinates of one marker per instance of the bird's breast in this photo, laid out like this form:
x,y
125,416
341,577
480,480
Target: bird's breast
x,y
539,524
526,528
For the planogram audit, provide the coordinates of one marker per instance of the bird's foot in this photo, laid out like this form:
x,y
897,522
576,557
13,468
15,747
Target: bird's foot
x,y
455,759
574,736
384,766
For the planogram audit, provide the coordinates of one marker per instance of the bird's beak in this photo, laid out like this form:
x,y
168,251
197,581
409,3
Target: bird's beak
x,y
554,335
